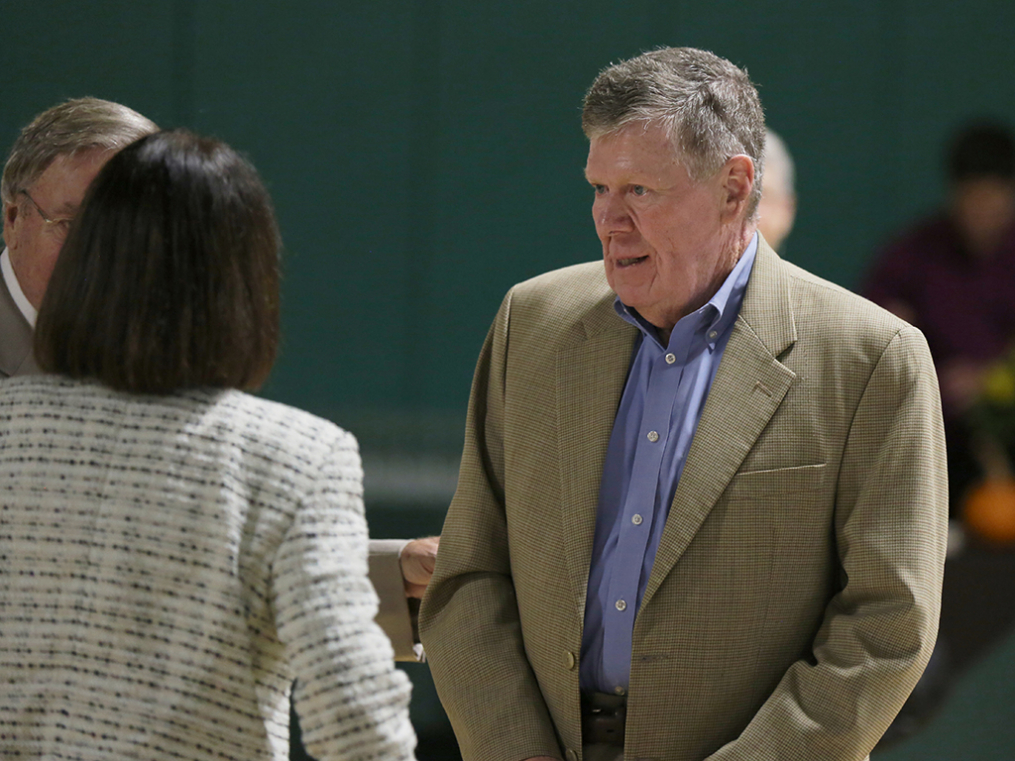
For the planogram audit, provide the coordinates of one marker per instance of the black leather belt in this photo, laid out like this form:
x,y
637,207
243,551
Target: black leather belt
x,y
603,717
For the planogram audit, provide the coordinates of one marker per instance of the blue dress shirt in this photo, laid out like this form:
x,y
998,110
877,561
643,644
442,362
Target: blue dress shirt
x,y
658,414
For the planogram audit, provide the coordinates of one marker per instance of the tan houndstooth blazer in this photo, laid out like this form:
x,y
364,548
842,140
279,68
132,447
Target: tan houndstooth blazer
x,y
795,595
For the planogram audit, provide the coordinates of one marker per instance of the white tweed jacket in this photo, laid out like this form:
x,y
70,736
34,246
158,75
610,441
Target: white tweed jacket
x,y
168,566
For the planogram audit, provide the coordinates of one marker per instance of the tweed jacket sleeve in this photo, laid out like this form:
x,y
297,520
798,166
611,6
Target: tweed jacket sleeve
x,y
324,550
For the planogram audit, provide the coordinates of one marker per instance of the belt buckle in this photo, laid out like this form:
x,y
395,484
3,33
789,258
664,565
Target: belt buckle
x,y
605,724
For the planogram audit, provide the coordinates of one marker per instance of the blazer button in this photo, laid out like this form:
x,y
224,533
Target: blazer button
x,y
570,755
570,660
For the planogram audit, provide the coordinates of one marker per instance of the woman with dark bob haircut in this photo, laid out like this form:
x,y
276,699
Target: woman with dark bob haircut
x,y
176,551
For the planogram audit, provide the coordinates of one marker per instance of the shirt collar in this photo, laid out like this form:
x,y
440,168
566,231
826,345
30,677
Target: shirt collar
x,y
721,310
14,287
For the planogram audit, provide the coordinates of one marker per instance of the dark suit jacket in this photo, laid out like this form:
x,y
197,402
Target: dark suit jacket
x,y
16,356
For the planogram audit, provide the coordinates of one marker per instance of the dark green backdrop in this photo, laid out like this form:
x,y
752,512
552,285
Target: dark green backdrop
x,y
425,155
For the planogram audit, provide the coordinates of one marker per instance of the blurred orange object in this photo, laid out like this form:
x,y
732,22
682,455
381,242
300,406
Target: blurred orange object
x,y
989,510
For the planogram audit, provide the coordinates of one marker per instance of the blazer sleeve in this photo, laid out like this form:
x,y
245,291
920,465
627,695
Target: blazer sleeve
x,y
469,620
890,529
352,702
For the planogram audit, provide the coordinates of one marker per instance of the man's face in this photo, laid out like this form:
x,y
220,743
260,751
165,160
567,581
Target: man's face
x,y
35,244
984,210
665,246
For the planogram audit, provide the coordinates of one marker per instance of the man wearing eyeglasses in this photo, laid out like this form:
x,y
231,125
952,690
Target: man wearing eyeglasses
x,y
50,166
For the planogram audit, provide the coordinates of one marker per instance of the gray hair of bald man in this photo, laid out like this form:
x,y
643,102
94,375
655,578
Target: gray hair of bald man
x,y
780,172
709,107
72,127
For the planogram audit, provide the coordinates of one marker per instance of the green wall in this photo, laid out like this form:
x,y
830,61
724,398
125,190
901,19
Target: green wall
x,y
425,155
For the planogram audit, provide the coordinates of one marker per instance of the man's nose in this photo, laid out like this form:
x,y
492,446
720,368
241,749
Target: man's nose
x,y
611,214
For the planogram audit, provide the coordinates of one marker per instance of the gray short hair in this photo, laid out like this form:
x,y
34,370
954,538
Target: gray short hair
x,y
72,127
709,107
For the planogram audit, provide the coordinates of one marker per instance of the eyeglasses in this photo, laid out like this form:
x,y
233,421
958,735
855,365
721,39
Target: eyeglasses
x,y
60,227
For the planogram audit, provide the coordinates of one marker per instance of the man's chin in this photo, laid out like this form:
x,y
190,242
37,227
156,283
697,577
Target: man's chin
x,y
631,297
632,282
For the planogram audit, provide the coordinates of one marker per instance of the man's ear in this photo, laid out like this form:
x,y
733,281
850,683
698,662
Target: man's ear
x,y
10,229
737,184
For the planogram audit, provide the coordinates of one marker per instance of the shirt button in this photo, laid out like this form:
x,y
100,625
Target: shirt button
x,y
653,436
621,605
571,755
670,359
713,335
570,660
636,519
620,690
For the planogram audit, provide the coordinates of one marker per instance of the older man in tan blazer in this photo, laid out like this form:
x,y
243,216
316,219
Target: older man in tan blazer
x,y
789,600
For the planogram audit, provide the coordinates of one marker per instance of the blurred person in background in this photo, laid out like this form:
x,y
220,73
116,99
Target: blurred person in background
x,y
777,208
953,276
177,551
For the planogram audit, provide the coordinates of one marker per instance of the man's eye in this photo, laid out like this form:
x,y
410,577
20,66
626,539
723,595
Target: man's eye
x,y
639,190
599,189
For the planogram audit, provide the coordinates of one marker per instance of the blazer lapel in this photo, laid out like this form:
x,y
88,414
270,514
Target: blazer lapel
x,y
591,374
749,387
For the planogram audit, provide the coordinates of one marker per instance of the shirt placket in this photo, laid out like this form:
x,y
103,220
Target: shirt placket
x,y
638,512
682,423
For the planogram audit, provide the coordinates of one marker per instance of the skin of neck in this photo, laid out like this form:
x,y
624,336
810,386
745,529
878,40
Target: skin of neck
x,y
740,234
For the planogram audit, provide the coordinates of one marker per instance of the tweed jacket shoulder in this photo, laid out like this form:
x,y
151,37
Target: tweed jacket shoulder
x,y
170,565
794,598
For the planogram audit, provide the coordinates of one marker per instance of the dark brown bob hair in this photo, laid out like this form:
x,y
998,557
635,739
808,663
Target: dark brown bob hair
x,y
169,277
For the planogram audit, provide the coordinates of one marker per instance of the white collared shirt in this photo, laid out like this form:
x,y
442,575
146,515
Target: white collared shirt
x,y
11,280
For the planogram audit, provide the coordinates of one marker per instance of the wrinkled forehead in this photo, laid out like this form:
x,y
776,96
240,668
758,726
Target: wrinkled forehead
x,y
63,184
83,159
16,179
639,136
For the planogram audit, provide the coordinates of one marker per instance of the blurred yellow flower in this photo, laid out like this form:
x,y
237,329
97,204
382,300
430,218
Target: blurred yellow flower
x,y
999,385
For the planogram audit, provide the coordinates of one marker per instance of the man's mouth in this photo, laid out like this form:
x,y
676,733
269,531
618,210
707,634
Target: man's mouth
x,y
630,261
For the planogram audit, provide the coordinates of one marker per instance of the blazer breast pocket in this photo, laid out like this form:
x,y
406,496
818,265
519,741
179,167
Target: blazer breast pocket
x,y
769,484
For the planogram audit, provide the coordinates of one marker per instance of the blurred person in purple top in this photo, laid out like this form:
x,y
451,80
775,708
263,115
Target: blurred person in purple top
x,y
953,276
